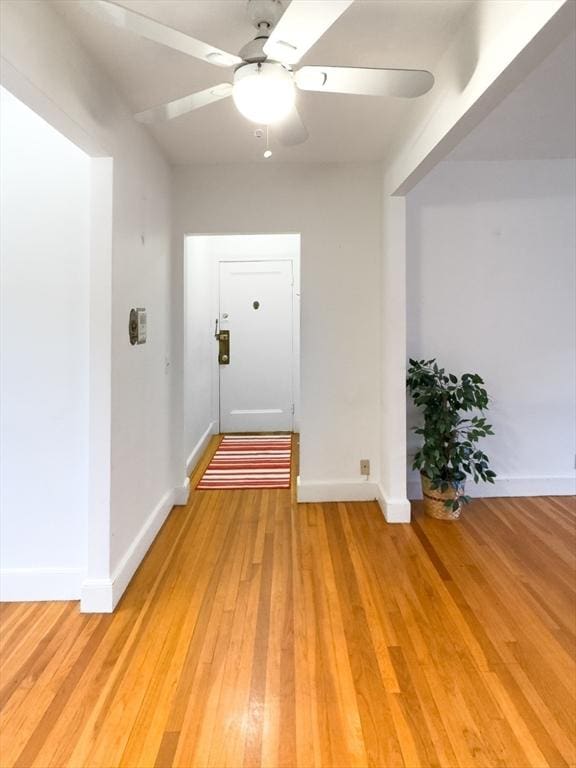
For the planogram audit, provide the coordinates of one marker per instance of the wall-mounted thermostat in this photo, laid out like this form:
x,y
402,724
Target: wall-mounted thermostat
x,y
137,326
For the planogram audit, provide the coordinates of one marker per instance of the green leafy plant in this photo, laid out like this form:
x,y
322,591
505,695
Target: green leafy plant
x,y
454,421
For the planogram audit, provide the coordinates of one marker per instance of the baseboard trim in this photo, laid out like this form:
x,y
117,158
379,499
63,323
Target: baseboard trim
x,y
97,596
40,584
182,493
335,490
563,485
102,595
395,510
200,447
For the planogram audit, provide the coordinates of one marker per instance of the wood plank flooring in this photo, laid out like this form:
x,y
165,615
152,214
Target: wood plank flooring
x,y
262,633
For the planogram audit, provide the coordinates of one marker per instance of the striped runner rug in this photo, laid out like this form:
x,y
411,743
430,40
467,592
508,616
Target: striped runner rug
x,y
249,461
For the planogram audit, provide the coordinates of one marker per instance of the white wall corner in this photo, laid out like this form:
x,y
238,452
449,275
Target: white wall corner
x,y
102,595
392,485
200,447
35,584
395,510
335,490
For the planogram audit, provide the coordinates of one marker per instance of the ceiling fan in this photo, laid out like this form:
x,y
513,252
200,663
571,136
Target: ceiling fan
x,y
264,80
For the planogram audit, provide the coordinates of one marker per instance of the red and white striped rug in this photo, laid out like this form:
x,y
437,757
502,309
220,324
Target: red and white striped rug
x,y
249,461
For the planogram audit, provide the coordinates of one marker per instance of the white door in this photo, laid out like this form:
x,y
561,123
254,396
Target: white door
x,y
256,393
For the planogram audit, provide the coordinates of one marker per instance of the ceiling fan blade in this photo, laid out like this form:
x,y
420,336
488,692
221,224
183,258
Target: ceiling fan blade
x,y
184,105
159,33
291,130
406,83
301,25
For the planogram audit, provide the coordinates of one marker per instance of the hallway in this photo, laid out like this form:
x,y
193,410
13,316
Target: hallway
x,y
259,632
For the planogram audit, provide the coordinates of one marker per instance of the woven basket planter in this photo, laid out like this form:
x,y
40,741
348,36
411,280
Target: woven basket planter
x,y
434,499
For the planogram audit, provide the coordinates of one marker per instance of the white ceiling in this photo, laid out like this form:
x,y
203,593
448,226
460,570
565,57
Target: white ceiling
x,y
385,33
536,121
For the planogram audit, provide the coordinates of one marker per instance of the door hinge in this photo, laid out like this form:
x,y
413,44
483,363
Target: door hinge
x,y
292,409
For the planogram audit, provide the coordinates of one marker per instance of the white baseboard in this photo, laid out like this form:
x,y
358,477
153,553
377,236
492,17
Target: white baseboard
x,y
509,486
35,584
200,447
181,493
102,595
336,490
395,510
97,596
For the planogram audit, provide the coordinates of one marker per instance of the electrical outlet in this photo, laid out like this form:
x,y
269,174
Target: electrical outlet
x,y
365,467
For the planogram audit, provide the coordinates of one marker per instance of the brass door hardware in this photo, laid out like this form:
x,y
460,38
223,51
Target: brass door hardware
x,y
224,347
137,326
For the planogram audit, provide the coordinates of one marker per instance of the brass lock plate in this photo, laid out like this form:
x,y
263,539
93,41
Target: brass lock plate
x,y
137,326
224,348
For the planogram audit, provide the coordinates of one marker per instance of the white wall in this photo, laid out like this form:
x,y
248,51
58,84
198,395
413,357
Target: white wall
x,y
200,414
491,289
392,488
336,209
496,45
47,67
45,188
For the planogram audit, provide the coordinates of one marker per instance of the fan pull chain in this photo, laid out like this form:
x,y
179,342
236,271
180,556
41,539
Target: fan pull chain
x,y
267,151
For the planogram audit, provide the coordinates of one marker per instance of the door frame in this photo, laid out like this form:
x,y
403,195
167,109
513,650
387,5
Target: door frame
x,y
294,258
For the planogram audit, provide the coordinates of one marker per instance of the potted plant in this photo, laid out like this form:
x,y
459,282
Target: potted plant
x,y
454,421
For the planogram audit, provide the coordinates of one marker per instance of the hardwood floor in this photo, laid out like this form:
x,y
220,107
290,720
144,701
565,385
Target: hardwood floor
x,y
261,633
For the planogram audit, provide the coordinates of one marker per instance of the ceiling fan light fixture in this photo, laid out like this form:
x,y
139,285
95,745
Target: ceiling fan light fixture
x,y
264,92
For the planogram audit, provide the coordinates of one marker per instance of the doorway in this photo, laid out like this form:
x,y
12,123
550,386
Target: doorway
x,y
255,361
45,366
248,286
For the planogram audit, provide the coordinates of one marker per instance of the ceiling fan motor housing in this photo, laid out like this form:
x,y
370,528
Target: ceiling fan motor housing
x,y
265,13
253,52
